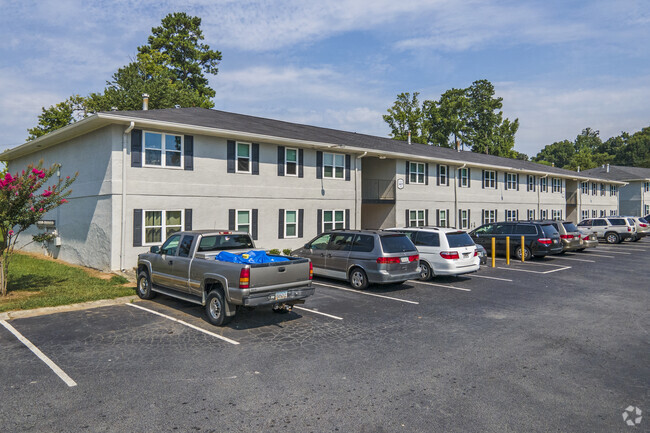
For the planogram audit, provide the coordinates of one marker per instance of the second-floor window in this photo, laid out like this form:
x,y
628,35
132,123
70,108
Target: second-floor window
x,y
612,190
593,188
463,176
333,165
290,162
585,187
243,158
162,150
646,186
543,185
557,184
512,181
530,183
443,175
416,172
489,179
602,189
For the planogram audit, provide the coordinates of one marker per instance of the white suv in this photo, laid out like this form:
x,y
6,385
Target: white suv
x,y
443,251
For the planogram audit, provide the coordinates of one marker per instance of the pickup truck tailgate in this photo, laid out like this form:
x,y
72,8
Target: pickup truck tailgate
x,y
290,273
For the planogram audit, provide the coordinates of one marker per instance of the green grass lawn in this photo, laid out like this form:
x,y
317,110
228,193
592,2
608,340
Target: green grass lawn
x,y
35,283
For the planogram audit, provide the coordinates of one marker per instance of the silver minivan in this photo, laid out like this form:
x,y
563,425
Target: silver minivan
x,y
363,257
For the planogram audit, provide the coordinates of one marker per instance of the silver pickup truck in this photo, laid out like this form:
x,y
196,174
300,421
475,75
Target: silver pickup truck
x,y
185,267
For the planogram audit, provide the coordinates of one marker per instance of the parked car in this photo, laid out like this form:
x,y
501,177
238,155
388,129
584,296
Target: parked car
x,y
569,234
363,257
482,253
588,239
187,267
642,228
540,239
612,230
443,251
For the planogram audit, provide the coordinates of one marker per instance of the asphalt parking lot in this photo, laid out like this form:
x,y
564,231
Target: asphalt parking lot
x,y
555,344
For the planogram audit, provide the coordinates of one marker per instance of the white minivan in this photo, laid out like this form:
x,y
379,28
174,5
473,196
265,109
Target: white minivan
x,y
443,251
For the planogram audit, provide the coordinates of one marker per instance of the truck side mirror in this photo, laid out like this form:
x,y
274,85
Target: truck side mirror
x,y
155,249
306,246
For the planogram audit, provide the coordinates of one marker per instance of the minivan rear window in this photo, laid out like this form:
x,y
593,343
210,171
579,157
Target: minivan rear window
x,y
459,239
396,244
570,227
549,230
617,221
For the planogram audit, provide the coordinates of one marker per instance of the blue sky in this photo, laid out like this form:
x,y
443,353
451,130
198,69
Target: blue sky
x,y
560,66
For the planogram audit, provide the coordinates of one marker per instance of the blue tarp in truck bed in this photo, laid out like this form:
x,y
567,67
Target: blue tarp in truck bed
x,y
249,257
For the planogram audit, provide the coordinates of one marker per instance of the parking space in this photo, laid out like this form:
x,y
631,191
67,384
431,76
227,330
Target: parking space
x,y
438,344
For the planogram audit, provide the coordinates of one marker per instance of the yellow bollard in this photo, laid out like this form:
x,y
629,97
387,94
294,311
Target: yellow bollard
x,y
507,250
523,249
494,252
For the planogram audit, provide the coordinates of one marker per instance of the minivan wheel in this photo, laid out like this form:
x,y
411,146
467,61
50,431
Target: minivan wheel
x,y
425,271
358,279
143,288
215,308
636,239
612,238
527,253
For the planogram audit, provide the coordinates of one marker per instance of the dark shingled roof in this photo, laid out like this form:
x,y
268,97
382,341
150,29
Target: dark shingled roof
x,y
619,172
203,117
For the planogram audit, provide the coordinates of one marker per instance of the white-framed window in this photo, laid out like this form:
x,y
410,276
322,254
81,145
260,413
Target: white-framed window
x,y
416,218
333,166
612,212
530,182
531,214
443,218
584,187
543,184
543,214
556,214
584,214
512,180
443,174
333,220
602,189
464,219
162,150
158,225
463,176
602,213
243,220
594,213
557,184
489,216
612,190
290,161
416,172
243,157
593,188
290,223
647,209
511,214
489,179
646,186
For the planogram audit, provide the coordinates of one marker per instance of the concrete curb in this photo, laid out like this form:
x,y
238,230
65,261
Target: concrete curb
x,y
9,315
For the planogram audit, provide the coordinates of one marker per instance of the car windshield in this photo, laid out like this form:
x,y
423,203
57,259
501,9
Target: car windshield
x,y
396,244
549,230
617,221
570,227
459,239
225,242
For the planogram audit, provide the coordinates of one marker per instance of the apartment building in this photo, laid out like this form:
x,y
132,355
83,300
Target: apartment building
x,y
634,194
145,174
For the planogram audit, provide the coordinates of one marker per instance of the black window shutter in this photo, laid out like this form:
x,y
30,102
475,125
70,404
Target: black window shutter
x,y
319,221
231,156
426,217
137,227
483,177
437,217
189,152
347,219
280,160
319,166
136,148
460,219
437,174
188,220
517,177
301,163
231,219
426,173
469,218
301,218
496,180
505,181
254,224
408,174
348,160
255,153
406,224
281,224
469,177
447,176
483,216
448,218
517,214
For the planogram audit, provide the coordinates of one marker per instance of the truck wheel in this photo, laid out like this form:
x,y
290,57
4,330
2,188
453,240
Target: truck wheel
x,y
612,238
215,308
358,279
143,288
527,253
425,271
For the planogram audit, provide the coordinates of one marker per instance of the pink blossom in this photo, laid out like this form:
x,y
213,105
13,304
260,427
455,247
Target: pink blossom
x,y
40,210
47,193
16,192
32,209
64,200
41,176
10,233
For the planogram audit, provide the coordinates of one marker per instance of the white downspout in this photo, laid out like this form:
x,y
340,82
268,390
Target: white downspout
x,y
357,224
123,237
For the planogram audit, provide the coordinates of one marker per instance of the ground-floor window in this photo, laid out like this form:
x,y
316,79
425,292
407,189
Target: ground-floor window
x,y
443,218
160,224
464,218
612,212
556,214
290,223
594,213
416,218
333,220
584,214
543,214
243,221
531,214
602,212
647,209
489,216
512,215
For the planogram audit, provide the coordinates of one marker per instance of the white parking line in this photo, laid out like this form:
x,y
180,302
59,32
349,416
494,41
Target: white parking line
x,y
491,278
597,255
627,248
318,312
613,251
536,272
441,285
55,368
221,337
367,293
570,258
529,262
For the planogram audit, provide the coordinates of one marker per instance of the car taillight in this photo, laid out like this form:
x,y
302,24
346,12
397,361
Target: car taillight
x,y
643,225
414,258
311,271
566,236
449,255
245,278
629,229
545,241
387,260
475,253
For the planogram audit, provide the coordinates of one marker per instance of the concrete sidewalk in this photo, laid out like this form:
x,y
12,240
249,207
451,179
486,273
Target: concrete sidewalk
x,y
63,308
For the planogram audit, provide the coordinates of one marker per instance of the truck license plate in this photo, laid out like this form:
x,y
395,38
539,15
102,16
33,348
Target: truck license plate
x,y
404,259
281,295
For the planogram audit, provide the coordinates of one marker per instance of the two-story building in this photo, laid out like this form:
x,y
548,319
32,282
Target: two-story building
x,y
634,194
145,174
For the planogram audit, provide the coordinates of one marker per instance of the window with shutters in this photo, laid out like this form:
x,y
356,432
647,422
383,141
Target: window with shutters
x,y
556,214
584,214
531,183
443,218
333,220
512,180
291,162
416,218
543,214
243,158
612,212
531,214
584,187
647,209
416,172
443,174
602,212
463,176
543,184
290,223
489,179
612,190
593,188
464,219
162,150
646,187
243,220
160,224
594,213
511,215
602,189
333,166
489,216
557,184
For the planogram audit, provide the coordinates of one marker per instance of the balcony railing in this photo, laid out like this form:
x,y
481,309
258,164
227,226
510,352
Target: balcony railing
x,y
378,190
572,198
